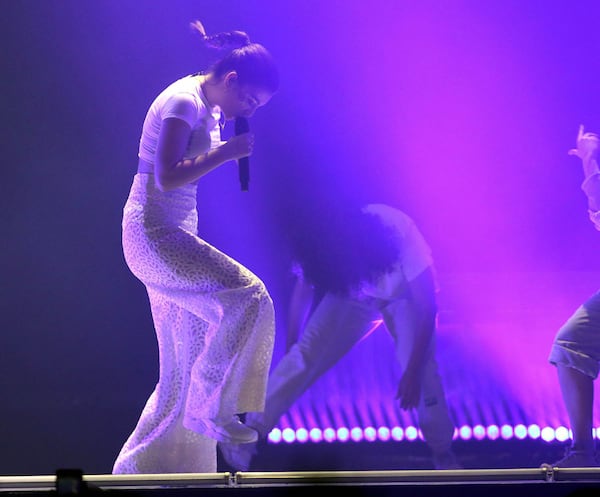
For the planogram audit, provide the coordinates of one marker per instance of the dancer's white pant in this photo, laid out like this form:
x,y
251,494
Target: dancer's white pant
x,y
334,328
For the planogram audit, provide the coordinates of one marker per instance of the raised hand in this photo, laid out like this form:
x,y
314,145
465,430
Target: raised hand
x,y
587,145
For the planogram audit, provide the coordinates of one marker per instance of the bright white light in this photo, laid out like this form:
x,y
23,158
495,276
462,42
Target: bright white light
x,y
316,435
493,432
534,431
370,434
275,435
343,434
520,432
455,434
288,435
356,434
506,432
383,433
302,435
479,432
548,434
562,434
329,434
465,432
411,433
397,433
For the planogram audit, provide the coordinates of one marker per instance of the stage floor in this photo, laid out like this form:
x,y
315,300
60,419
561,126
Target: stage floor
x,y
492,482
492,468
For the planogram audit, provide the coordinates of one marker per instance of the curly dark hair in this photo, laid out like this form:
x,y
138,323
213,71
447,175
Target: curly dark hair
x,y
340,246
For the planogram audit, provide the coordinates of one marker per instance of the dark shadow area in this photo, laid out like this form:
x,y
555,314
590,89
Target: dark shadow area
x,y
380,456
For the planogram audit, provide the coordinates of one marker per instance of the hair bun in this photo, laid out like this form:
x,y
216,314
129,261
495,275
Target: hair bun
x,y
227,40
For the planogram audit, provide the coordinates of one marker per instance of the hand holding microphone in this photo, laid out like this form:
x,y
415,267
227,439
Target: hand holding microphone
x,y
242,128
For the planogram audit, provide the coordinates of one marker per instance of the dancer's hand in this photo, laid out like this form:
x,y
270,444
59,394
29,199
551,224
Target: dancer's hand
x,y
587,145
409,389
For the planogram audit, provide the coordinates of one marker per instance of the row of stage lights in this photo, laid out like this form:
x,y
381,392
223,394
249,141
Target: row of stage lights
x,y
411,433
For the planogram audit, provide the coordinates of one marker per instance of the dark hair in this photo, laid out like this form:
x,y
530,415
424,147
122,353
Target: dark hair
x,y
340,246
252,62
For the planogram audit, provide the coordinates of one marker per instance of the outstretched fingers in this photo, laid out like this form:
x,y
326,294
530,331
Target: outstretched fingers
x,y
580,132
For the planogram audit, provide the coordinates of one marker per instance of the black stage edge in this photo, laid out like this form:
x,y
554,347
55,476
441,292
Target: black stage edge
x,y
547,482
393,455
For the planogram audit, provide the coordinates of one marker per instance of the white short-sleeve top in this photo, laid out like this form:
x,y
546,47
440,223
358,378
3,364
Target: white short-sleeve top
x,y
182,99
415,254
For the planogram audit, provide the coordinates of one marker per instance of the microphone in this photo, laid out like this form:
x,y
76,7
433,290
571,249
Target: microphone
x,y
241,126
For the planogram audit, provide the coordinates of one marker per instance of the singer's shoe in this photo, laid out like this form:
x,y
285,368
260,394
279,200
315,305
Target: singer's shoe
x,y
229,431
238,456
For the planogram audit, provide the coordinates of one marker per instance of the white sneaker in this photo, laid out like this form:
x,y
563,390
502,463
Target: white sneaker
x,y
231,431
238,456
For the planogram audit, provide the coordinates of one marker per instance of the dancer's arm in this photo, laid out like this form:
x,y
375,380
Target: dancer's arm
x,y
299,308
172,171
587,150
